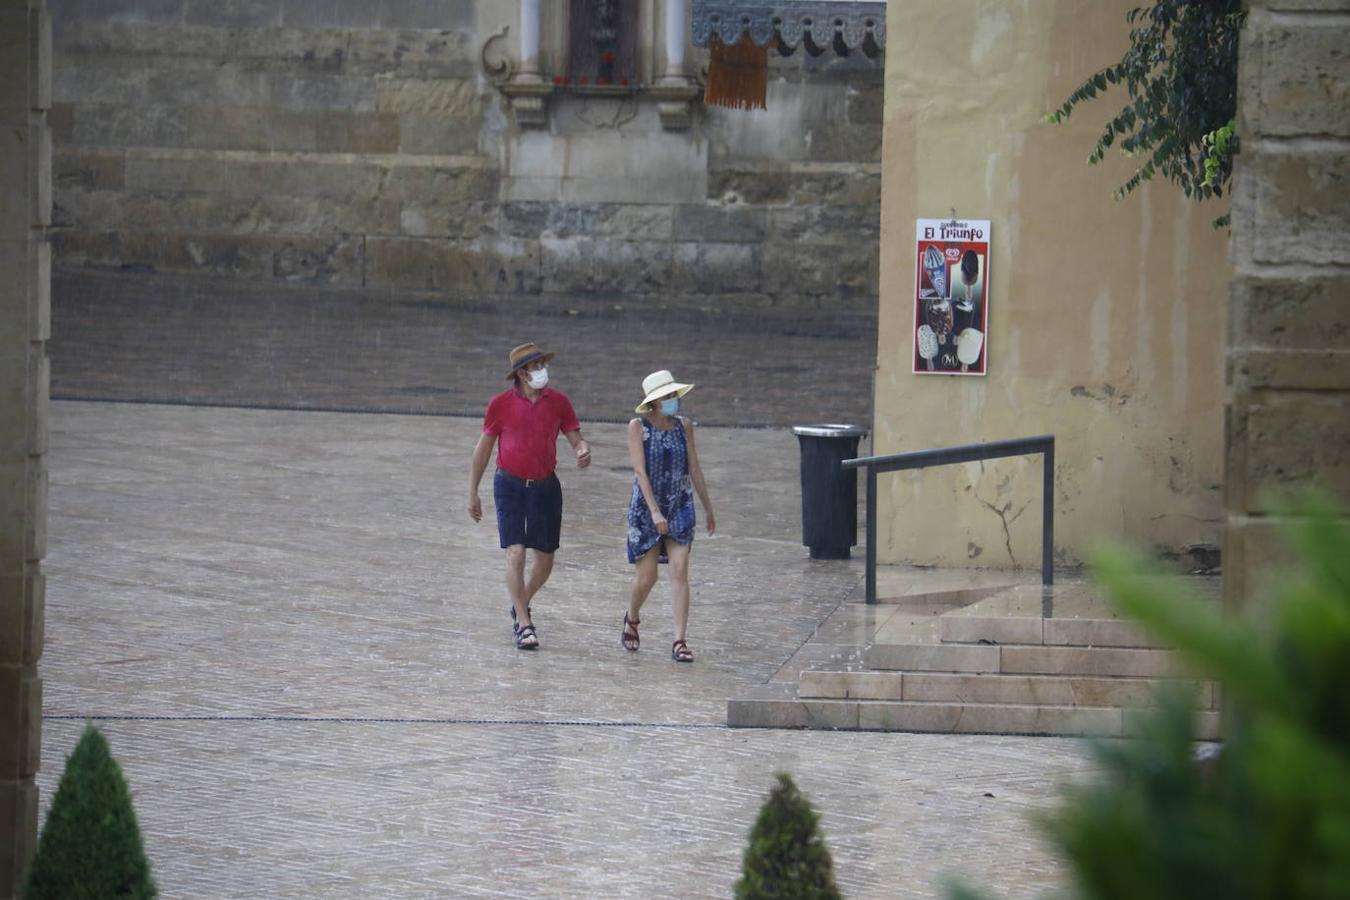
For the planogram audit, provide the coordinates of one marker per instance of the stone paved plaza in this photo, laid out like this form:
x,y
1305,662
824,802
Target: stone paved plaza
x,y
299,648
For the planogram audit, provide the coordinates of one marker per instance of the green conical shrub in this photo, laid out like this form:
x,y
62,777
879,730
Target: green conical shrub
x,y
787,857
90,845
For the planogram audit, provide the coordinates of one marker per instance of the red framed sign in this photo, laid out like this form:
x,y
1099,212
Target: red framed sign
x,y
951,297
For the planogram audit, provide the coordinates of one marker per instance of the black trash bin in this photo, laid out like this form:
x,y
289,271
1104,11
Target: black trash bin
x,y
829,492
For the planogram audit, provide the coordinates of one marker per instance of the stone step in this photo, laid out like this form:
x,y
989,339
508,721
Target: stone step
x,y
1039,690
947,718
1071,632
1024,659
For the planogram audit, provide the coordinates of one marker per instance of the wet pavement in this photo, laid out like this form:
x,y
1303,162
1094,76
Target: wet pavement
x,y
153,339
299,648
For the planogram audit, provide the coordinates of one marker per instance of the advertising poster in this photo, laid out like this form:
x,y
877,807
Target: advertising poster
x,y
951,297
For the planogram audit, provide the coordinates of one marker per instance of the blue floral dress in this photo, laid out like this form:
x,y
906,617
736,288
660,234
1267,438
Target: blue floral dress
x,y
667,454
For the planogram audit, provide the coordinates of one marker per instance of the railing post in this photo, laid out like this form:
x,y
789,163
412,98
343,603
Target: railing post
x,y
871,577
1048,516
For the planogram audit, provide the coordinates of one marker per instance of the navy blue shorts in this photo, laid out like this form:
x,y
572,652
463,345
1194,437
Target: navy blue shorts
x,y
528,514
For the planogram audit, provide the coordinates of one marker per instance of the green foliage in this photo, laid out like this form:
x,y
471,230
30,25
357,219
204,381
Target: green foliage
x,y
1181,76
787,858
1268,817
90,845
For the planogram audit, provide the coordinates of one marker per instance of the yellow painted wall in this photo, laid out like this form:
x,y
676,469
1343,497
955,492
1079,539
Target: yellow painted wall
x,y
1106,318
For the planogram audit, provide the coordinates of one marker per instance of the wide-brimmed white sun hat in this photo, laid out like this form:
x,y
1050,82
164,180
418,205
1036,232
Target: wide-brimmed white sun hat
x,y
659,384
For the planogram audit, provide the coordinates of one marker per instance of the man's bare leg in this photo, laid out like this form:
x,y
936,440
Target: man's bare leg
x,y
539,572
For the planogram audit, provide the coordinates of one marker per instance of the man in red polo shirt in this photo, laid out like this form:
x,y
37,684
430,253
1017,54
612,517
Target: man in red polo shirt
x,y
526,418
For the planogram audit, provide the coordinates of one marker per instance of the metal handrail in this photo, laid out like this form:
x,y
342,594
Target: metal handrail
x,y
1043,444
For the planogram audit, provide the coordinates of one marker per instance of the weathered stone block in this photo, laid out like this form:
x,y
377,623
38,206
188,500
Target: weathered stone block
x,y
23,505
460,268
1295,440
840,225
437,135
40,169
631,267
463,221
1302,207
724,268
132,126
22,600
86,248
1292,313
240,215
852,186
566,265
330,13
453,97
705,223
1303,370
40,290
749,185
319,260
18,829
412,54
138,11
864,104
22,373
338,132
94,83
1305,79
242,257
635,222
332,92
792,270
852,143
20,722
233,13
96,42
39,58
416,182
89,168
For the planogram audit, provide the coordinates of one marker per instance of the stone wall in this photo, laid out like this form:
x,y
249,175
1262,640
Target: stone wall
x,y
25,324
1288,411
361,145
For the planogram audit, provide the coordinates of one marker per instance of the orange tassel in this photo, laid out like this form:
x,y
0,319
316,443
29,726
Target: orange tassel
x,y
738,75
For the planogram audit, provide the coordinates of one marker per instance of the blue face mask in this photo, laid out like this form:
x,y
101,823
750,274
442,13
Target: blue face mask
x,y
670,407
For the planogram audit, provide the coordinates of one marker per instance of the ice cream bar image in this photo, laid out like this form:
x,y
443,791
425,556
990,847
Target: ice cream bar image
x,y
936,268
928,344
969,343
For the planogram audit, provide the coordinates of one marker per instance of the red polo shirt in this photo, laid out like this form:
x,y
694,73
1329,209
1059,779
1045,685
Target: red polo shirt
x,y
527,433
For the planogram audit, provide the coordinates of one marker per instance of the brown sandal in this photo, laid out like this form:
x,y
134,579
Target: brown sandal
x,y
680,652
629,638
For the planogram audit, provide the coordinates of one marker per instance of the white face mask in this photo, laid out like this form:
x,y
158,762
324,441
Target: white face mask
x,y
538,379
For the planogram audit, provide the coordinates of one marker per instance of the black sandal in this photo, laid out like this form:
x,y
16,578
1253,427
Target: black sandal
x,y
680,652
526,639
514,626
629,638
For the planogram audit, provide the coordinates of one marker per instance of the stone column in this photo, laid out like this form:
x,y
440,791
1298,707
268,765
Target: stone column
x,y
1288,410
677,34
25,269
529,42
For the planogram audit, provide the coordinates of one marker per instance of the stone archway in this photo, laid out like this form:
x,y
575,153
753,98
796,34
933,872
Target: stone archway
x,y
25,261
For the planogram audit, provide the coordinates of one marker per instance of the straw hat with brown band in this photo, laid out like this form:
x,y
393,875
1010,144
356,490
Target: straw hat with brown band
x,y
525,354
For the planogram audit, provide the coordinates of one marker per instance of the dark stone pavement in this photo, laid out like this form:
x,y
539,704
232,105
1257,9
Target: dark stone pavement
x,y
154,338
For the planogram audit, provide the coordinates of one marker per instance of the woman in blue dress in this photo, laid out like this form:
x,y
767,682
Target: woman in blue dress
x,y
661,511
